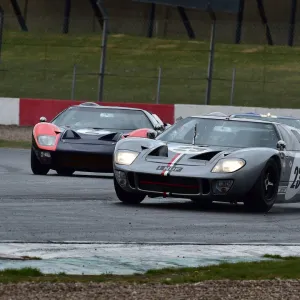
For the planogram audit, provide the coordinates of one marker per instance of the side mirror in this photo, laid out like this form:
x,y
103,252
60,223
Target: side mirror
x,y
152,134
179,118
43,119
281,145
167,125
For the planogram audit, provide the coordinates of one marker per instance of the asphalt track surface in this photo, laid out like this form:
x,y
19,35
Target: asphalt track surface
x,y
85,208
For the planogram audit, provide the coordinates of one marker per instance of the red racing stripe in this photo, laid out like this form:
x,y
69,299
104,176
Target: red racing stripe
x,y
170,163
173,161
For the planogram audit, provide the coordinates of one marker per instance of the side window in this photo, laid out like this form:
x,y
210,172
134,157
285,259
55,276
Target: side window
x,y
291,137
159,121
286,136
296,134
151,118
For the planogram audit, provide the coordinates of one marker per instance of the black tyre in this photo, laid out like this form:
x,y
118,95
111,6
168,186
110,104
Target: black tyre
x,y
36,167
127,197
65,172
264,193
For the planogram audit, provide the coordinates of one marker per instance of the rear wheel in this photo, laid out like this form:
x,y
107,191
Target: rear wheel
x,y
36,167
127,197
65,172
264,193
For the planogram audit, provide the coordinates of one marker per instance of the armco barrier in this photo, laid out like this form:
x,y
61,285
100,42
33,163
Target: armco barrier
x,y
9,111
186,110
32,109
26,112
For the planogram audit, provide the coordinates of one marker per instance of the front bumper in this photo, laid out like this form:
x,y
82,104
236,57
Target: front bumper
x,y
221,187
91,159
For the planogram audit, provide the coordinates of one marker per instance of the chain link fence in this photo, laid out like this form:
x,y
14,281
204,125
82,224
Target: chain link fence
x,y
48,64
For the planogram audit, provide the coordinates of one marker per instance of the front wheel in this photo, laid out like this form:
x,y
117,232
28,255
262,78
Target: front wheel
x,y
127,197
264,193
36,167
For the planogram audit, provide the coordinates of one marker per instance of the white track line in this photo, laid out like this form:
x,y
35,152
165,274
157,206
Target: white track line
x,y
127,258
144,243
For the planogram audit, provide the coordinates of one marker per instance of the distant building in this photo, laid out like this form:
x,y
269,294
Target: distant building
x,y
128,17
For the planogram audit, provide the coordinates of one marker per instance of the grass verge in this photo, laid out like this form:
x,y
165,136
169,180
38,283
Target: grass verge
x,y
15,144
275,267
41,66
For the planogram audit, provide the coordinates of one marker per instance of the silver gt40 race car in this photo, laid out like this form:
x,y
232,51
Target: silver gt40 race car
x,y
212,158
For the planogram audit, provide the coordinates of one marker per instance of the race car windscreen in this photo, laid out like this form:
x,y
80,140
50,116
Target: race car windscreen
x,y
290,122
223,133
106,118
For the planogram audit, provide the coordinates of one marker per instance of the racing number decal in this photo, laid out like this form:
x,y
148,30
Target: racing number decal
x,y
294,180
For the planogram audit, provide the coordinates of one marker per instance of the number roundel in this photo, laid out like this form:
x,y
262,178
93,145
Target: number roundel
x,y
294,181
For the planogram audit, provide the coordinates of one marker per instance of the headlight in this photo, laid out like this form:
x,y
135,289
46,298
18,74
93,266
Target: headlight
x,y
228,165
123,157
46,140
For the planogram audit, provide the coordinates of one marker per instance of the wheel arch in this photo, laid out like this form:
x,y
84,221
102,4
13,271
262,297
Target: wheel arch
x,y
276,158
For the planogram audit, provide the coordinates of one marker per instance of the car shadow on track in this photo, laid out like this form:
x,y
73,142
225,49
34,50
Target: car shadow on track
x,y
217,207
100,176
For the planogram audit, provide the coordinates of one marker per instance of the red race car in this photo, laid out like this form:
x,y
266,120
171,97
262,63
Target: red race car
x,y
83,137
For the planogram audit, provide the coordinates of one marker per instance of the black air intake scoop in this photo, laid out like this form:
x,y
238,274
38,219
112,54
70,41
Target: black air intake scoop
x,y
71,134
160,151
206,156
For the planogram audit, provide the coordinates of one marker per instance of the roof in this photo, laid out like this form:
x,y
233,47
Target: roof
x,y
233,119
265,116
97,106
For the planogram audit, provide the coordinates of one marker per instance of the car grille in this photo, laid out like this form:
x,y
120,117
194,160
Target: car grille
x,y
168,184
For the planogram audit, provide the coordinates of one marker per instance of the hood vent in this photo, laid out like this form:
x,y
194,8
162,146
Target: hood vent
x,y
206,156
114,136
160,151
71,134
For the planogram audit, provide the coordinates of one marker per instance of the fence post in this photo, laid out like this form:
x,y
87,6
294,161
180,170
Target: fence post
x,y
232,86
158,85
103,50
210,62
74,82
1,30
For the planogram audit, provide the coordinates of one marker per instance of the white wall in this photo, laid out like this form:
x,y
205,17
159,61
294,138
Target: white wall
x,y
195,110
9,111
